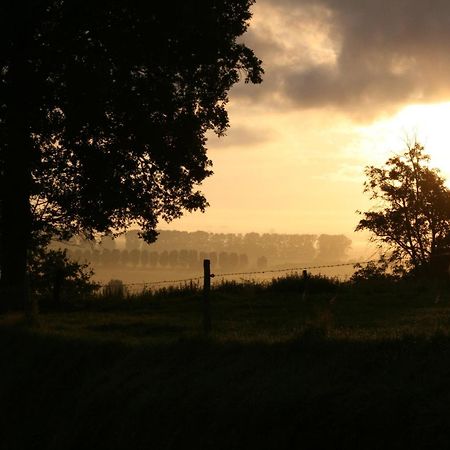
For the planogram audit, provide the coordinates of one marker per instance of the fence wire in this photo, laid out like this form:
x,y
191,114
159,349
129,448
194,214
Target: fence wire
x,y
150,285
291,269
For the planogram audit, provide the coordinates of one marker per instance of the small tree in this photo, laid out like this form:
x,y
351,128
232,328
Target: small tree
x,y
115,289
411,221
56,278
332,247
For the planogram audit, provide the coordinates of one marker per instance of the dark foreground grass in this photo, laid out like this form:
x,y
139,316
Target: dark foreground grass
x,y
365,368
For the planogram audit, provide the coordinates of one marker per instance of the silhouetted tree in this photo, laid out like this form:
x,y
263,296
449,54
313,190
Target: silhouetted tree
x,y
95,256
200,240
124,257
115,289
332,247
144,258
252,243
233,260
108,242
53,276
183,258
153,258
173,258
261,262
103,115
300,247
164,258
193,261
213,258
132,240
224,260
116,257
412,217
134,257
243,260
108,258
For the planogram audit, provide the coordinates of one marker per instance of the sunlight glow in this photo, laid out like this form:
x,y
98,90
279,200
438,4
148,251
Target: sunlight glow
x,y
428,124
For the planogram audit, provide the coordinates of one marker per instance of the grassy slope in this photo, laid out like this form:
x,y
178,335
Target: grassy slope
x,y
370,370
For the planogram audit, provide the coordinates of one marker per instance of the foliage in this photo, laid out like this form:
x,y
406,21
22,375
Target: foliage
x,y
56,278
226,250
115,289
372,271
296,282
411,220
369,271
123,95
332,247
104,112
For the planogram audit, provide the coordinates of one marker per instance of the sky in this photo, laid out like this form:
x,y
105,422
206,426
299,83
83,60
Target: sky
x,y
347,83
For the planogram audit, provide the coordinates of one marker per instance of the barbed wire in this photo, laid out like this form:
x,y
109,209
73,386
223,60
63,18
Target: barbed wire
x,y
292,269
151,283
229,274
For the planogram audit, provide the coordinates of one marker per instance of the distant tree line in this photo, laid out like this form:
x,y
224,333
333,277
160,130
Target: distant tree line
x,y
182,249
186,259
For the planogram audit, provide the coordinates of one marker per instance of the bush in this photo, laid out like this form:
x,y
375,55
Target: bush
x,y
311,283
55,278
372,271
115,289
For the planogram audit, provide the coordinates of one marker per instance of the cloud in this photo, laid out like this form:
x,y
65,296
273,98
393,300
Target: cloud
x,y
240,135
362,57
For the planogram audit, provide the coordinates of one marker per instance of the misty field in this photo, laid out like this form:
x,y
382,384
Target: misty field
x,y
345,366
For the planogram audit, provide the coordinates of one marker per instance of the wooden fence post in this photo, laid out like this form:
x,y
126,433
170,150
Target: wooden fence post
x,y
305,284
206,300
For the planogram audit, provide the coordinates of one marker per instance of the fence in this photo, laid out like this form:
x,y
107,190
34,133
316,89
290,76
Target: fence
x,y
207,277
258,275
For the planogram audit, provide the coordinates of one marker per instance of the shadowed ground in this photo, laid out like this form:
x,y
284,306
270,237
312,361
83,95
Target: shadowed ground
x,y
278,372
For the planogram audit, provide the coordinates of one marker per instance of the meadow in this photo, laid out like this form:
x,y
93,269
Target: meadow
x,y
336,364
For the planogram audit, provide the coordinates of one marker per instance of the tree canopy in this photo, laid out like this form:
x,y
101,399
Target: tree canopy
x,y
412,214
104,110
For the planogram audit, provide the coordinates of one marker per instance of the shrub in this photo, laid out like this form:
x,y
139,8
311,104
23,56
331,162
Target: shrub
x,y
55,278
115,289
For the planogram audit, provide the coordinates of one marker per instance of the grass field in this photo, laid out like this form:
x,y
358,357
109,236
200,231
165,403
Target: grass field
x,y
342,366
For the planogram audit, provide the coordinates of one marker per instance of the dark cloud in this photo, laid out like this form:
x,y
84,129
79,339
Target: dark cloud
x,y
239,135
387,53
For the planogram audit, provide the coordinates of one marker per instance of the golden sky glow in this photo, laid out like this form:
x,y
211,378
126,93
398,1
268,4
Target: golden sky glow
x,y
345,86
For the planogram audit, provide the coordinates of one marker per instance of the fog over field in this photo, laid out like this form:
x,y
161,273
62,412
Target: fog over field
x,y
180,254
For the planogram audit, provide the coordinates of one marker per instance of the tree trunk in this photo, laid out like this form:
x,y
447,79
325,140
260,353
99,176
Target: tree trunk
x,y
15,236
15,188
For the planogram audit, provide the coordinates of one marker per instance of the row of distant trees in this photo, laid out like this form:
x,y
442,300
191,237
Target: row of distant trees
x,y
190,259
282,248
